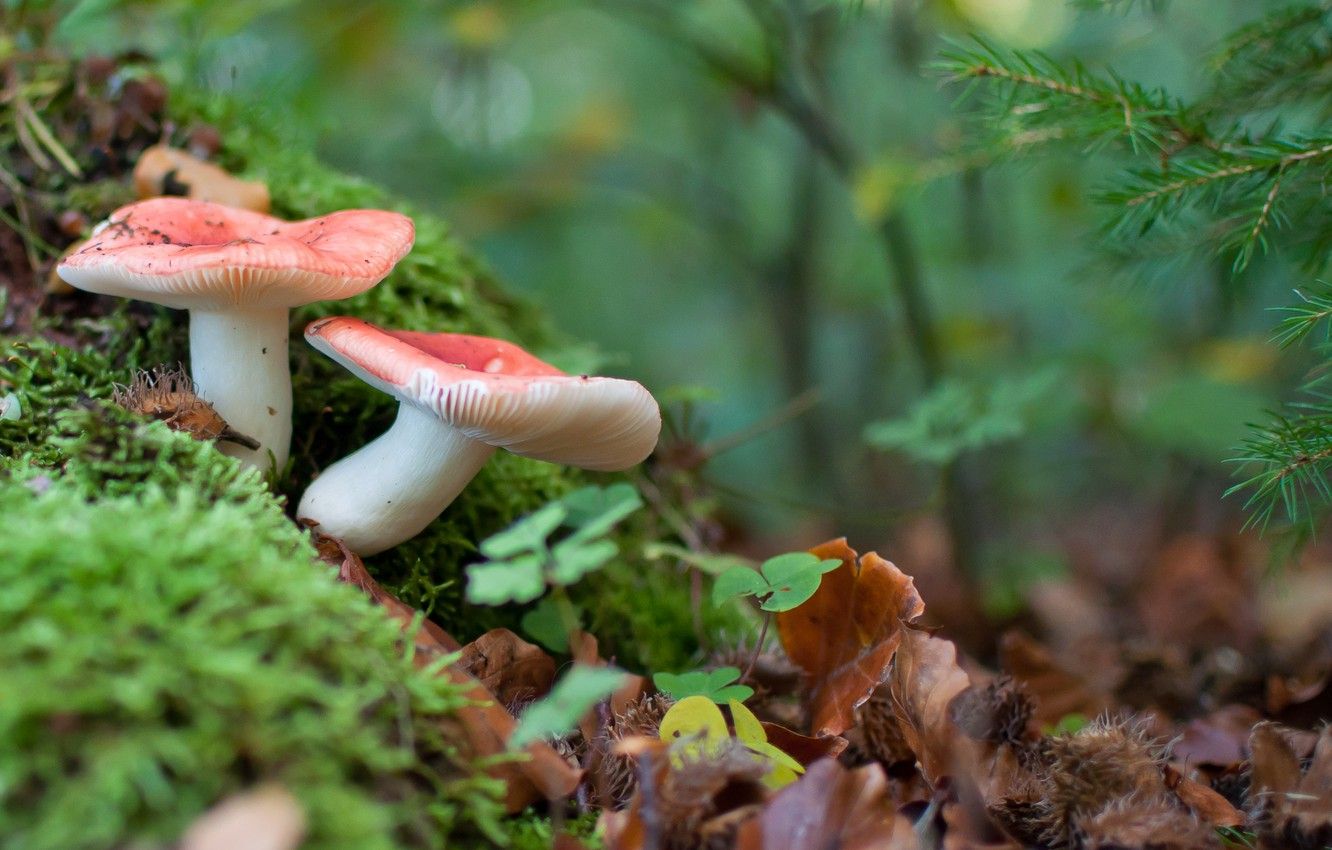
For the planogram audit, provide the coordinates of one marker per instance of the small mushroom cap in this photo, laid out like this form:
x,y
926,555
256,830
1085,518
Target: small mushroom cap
x,y
497,393
196,255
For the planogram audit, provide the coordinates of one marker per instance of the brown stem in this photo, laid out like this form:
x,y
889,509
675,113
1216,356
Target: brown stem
x,y
758,647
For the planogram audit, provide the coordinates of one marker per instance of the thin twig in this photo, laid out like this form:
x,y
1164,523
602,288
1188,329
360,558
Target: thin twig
x,y
1225,173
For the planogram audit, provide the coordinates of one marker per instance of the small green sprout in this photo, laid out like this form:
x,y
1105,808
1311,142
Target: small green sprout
x,y
781,583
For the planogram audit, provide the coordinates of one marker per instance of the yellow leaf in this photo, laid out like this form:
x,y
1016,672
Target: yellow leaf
x,y
747,726
695,728
749,730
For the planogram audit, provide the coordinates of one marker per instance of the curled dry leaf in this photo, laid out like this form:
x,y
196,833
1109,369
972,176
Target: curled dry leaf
x,y
164,170
488,725
844,636
265,818
515,671
925,679
351,570
1290,809
1299,703
1210,807
803,748
830,806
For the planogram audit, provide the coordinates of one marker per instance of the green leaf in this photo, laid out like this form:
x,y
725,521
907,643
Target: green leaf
x,y
497,582
593,511
544,625
715,685
738,581
574,559
793,578
559,712
526,535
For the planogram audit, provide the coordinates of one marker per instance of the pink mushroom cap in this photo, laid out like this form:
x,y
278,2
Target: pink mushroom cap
x,y
495,392
200,255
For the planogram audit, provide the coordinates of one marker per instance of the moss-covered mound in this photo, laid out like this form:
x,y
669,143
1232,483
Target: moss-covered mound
x,y
162,651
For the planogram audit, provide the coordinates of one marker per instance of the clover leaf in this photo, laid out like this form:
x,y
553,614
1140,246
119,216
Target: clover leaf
x,y
717,685
781,583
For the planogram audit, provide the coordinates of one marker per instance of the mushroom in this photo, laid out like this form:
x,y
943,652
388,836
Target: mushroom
x,y
238,273
461,397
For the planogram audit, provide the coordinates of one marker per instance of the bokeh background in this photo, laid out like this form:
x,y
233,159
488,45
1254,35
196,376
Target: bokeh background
x,y
726,199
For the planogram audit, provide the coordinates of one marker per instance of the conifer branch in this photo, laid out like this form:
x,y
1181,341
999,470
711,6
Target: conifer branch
x,y
1303,319
1294,456
1283,57
1032,91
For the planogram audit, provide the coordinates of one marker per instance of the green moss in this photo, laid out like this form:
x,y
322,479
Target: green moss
x,y
530,831
643,615
162,652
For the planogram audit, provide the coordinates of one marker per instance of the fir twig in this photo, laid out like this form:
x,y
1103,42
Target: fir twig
x,y
1282,57
1302,319
1034,98
1240,188
1294,455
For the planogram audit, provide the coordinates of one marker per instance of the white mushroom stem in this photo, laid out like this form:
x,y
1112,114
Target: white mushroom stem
x,y
391,489
238,359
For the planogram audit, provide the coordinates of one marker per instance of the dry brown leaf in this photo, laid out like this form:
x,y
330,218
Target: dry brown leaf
x,y
351,570
585,650
844,636
803,748
265,818
1274,767
830,807
164,170
544,775
699,804
1290,809
1200,593
1209,806
925,679
515,671
1058,692
1150,823
1299,703
1220,739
